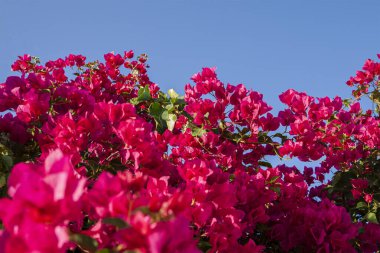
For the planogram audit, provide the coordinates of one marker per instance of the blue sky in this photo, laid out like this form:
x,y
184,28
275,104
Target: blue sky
x,y
270,46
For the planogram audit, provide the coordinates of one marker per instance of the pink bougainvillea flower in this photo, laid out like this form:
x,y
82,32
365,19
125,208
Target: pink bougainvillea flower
x,y
43,200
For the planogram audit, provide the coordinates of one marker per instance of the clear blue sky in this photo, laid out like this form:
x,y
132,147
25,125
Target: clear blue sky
x,y
270,46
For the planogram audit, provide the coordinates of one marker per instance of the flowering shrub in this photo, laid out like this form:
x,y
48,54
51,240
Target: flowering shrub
x,y
95,158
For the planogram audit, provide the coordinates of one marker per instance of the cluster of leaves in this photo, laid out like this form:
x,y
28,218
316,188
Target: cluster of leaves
x,y
95,158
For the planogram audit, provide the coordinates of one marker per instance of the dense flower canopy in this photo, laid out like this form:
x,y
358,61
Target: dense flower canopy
x,y
94,157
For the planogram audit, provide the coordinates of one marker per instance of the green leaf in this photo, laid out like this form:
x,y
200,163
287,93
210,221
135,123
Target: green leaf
x,y
162,95
155,110
180,101
171,121
3,181
85,242
281,136
197,131
204,245
172,93
276,189
165,115
7,161
103,251
336,178
347,102
119,223
265,164
143,209
187,115
371,217
143,94
273,179
169,107
160,126
362,205
134,101
341,179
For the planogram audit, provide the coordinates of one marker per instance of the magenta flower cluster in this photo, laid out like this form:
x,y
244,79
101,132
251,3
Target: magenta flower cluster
x,y
97,159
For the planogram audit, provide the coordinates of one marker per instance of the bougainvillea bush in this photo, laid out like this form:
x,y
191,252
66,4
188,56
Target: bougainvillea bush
x,y
96,158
